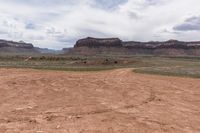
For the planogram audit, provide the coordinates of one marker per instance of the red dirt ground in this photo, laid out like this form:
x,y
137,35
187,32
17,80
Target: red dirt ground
x,y
114,101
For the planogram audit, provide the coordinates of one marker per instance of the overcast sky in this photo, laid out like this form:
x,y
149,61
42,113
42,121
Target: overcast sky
x,y
59,23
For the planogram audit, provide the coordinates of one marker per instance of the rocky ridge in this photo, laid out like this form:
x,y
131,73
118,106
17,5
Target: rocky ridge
x,y
91,45
21,44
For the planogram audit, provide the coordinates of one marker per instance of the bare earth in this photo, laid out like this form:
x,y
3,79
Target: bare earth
x,y
115,101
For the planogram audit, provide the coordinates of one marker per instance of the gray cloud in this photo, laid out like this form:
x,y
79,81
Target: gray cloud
x,y
92,33
133,15
190,24
36,37
3,32
109,4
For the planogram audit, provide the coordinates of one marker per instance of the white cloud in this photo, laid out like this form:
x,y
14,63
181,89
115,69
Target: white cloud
x,y
59,23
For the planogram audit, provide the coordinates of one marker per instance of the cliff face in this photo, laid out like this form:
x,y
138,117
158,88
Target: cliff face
x,y
95,42
116,46
4,43
16,47
160,45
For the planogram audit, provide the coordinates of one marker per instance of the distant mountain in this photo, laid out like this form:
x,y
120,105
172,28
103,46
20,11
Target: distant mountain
x,y
108,46
16,47
49,51
116,46
66,50
20,44
21,47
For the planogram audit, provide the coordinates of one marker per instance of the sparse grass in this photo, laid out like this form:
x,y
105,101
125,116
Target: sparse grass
x,y
181,72
184,67
170,66
54,63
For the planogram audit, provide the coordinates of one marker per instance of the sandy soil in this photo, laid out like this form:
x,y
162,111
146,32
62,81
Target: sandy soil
x,y
116,101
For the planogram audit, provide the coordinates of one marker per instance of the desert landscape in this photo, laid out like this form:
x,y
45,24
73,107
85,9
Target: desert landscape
x,y
99,66
97,88
111,101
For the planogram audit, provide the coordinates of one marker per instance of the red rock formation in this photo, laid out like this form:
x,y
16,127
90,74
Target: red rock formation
x,y
4,43
95,42
116,46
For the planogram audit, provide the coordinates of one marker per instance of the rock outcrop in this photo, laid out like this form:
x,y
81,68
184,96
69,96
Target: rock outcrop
x,y
97,42
160,45
116,46
4,43
11,47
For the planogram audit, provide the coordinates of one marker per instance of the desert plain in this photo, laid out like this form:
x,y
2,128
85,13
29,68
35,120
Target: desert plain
x,y
110,101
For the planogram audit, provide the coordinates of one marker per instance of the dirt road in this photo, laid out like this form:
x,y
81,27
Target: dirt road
x,y
114,101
